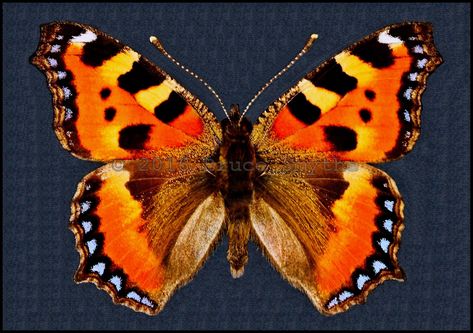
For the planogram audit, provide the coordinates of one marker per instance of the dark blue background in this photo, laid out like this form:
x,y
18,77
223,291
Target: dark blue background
x,y
237,48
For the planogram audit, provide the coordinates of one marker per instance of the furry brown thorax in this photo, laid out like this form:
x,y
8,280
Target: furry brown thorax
x,y
235,179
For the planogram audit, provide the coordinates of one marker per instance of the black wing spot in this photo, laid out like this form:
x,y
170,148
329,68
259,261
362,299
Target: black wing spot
x,y
105,93
403,31
304,110
96,52
141,76
171,108
381,184
333,78
110,113
134,137
337,189
342,138
370,94
69,31
377,54
365,115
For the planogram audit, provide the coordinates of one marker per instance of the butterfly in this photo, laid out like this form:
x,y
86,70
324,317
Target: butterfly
x,y
296,182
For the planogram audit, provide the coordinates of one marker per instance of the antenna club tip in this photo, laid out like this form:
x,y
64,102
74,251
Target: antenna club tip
x,y
155,41
314,36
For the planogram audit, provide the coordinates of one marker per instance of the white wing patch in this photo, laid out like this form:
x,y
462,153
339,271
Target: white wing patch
x,y
61,75
55,48
134,295
362,279
386,38
52,62
92,245
389,204
345,295
384,243
413,76
378,266
421,63
98,268
388,225
87,225
117,282
85,37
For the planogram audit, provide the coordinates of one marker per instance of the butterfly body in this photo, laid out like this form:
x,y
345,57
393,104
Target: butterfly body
x,y
236,176
147,220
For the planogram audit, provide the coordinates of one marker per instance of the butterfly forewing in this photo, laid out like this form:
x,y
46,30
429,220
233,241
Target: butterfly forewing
x,y
361,105
112,103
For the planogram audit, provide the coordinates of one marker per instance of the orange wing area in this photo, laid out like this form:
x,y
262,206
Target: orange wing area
x,y
343,238
112,103
361,105
138,234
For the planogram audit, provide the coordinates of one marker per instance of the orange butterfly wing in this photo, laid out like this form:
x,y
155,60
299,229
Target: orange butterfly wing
x,y
333,230
138,234
361,105
112,103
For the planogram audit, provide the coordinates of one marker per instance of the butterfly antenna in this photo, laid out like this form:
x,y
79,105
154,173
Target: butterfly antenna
x,y
304,50
155,41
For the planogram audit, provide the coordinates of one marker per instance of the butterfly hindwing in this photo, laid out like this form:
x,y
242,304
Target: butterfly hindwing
x,y
138,234
112,103
361,105
331,229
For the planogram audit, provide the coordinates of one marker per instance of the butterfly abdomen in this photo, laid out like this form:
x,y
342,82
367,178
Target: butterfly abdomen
x,y
236,182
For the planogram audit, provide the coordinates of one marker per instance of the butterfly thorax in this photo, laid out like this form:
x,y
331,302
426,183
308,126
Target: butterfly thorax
x,y
236,182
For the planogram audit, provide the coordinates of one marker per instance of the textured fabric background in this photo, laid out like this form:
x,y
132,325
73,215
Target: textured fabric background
x,y
237,48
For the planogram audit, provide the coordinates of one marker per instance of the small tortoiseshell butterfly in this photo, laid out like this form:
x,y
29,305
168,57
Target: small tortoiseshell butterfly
x,y
295,182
